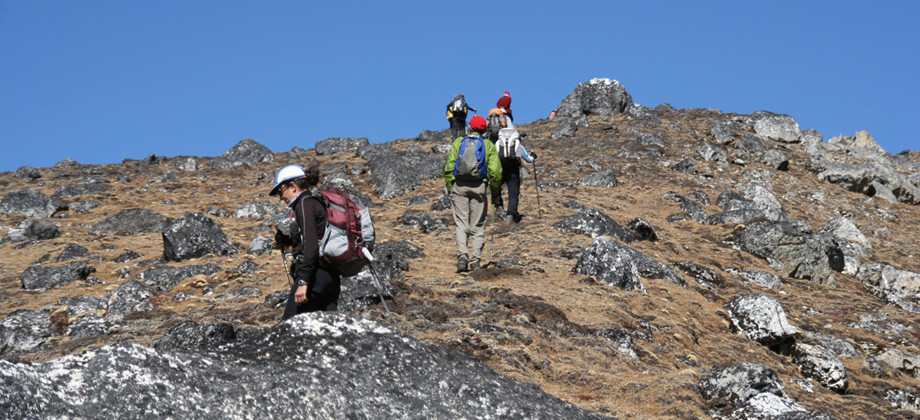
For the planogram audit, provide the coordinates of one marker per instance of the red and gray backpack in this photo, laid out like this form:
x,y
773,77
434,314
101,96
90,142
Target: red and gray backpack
x,y
349,237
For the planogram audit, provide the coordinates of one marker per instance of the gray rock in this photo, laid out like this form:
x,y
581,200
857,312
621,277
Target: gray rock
x,y
647,139
811,140
28,173
188,165
132,296
565,130
604,178
25,330
79,305
390,260
762,319
89,185
761,278
756,203
336,145
686,166
643,230
838,347
431,136
771,406
793,250
189,337
256,210
164,279
598,96
396,173
131,222
73,252
83,206
42,229
43,278
739,383
821,365
622,266
903,361
89,325
66,163
31,203
705,276
860,145
261,245
865,178
381,373
776,126
245,153
243,292
422,220
903,400
713,154
194,235
594,223
899,287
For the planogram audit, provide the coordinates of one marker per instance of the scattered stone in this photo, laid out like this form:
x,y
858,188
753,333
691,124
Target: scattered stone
x,y
245,153
622,266
131,222
605,178
821,365
705,276
31,203
422,220
337,145
194,235
44,278
42,229
73,252
22,331
594,223
777,127
395,173
762,319
164,278
132,296
28,173
257,210
261,245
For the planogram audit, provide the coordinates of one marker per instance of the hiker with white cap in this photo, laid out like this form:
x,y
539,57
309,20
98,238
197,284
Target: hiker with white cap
x,y
316,285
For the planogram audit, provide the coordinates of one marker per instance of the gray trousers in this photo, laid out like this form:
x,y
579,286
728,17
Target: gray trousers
x,y
469,201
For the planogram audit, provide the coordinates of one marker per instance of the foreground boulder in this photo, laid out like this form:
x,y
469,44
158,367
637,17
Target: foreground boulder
x,y
373,371
598,96
31,203
194,235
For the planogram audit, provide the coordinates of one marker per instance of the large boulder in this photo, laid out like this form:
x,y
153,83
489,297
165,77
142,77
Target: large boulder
x,y
776,126
597,96
378,373
31,203
604,178
165,278
88,185
395,173
793,250
594,223
762,319
622,266
821,365
900,287
245,153
38,277
335,145
756,202
873,179
131,222
24,330
130,297
194,235
739,383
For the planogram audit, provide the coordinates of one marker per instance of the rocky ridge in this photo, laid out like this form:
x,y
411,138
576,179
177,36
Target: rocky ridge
x,y
681,263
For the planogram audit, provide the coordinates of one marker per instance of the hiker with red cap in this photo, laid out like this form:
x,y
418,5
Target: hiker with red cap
x,y
472,171
504,104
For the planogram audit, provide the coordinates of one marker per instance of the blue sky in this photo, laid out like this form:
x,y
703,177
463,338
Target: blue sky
x,y
102,81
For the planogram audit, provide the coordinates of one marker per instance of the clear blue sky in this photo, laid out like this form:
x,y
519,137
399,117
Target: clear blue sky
x,y
101,81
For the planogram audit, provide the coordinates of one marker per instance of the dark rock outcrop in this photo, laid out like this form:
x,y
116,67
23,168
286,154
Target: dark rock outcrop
x,y
598,96
622,266
422,220
38,277
194,235
594,223
379,373
793,250
604,178
31,203
131,222
247,152
165,278
395,173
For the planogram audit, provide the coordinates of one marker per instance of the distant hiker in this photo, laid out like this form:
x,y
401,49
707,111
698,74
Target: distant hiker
x,y
510,152
456,115
504,104
496,122
472,171
316,286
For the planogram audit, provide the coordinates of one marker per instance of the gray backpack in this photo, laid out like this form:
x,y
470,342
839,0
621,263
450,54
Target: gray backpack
x,y
471,160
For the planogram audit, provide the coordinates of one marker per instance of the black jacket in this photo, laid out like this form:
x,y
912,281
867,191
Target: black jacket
x,y
309,227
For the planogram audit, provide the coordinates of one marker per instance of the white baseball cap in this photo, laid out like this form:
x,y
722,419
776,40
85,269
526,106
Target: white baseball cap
x,y
285,174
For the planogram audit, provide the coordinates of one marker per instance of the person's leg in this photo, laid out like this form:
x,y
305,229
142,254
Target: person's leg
x,y
461,209
514,187
324,295
478,207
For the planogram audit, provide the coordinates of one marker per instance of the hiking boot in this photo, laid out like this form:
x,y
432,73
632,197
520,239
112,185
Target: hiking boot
x,y
461,265
474,266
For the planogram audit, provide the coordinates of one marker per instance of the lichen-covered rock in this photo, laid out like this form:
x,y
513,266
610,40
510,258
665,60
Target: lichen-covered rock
x,y
594,223
739,383
132,296
194,235
762,319
604,178
247,152
380,373
165,278
777,127
131,222
25,330
395,173
38,277
31,203
597,96
422,220
821,365
335,145
622,266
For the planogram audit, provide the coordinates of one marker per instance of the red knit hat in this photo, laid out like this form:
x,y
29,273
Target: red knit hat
x,y
478,123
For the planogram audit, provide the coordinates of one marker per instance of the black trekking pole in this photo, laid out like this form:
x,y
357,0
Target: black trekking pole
x,y
379,289
536,186
286,271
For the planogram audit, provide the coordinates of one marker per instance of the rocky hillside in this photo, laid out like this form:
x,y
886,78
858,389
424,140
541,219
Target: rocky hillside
x,y
671,263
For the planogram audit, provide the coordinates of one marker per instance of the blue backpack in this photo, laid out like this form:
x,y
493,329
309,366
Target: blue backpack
x,y
471,160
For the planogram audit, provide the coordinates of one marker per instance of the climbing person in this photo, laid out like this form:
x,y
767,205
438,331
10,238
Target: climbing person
x,y
316,285
510,151
472,171
504,104
456,115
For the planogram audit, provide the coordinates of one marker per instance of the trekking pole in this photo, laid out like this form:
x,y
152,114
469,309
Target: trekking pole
x,y
286,271
377,284
379,290
536,185
492,242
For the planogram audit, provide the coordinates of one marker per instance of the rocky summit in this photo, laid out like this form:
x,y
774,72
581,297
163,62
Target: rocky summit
x,y
669,263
